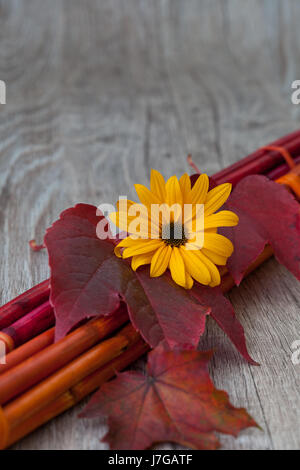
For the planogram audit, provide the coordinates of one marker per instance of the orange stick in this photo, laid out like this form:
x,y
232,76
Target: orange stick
x,y
35,399
72,396
49,360
27,350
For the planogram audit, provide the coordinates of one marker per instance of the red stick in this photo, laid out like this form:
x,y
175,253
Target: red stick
x,y
281,170
282,142
29,326
260,162
24,303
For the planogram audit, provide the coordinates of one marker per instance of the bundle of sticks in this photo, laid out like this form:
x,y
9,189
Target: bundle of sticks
x,y
42,378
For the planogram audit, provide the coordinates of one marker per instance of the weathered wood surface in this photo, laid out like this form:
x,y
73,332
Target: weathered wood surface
x,y
98,92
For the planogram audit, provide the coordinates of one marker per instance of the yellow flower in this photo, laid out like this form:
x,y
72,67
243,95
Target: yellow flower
x,y
194,253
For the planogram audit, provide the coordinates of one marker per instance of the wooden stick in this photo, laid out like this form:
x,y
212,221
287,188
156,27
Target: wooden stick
x,y
260,161
30,325
27,350
267,161
72,396
281,170
49,360
35,399
24,303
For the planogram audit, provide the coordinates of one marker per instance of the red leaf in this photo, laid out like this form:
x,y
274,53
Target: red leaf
x,y
87,280
268,214
175,401
223,314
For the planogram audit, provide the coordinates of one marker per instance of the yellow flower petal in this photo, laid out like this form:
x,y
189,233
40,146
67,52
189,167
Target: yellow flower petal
x,y
218,244
199,190
140,260
212,268
195,267
214,257
126,242
189,282
132,209
117,251
221,219
160,260
137,226
217,197
194,217
141,247
177,267
185,186
157,185
173,191
196,237
145,196
134,218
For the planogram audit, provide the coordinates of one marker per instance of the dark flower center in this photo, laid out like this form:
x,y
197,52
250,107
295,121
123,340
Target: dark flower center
x,y
173,234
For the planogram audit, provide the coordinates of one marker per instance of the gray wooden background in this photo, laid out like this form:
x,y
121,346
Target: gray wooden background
x,y
98,93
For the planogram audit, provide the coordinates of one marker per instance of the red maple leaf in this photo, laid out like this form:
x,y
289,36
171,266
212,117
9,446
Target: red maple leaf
x,y
268,213
175,401
88,280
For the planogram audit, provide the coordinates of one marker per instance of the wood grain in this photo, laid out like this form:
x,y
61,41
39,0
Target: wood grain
x,y
98,93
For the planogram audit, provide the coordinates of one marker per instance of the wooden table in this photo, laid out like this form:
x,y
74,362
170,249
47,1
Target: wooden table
x,y
100,92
